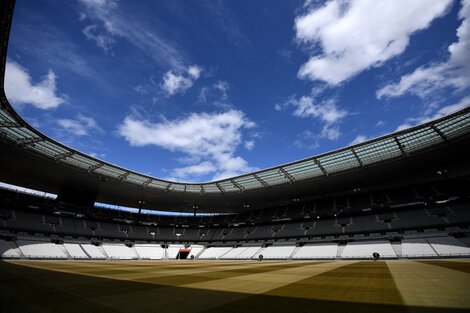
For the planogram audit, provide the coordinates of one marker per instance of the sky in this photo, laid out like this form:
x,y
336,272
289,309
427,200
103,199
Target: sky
x,y
195,91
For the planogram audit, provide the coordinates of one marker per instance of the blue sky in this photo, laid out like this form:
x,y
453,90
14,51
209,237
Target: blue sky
x,y
202,90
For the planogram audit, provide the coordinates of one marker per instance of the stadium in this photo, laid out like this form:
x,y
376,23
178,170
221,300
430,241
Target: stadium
x,y
378,226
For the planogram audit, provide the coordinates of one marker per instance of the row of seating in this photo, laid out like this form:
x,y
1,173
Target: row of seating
x,y
443,246
19,220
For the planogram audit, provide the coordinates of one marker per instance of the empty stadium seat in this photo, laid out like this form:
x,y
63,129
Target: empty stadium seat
x,y
365,249
317,251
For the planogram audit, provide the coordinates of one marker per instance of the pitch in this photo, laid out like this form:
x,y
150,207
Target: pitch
x,y
230,286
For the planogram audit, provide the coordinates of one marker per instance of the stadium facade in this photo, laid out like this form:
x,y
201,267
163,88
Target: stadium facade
x,y
405,194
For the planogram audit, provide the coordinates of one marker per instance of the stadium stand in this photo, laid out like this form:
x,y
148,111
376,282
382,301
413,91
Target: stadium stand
x,y
449,246
93,252
417,248
37,249
276,252
150,251
75,251
119,252
214,252
9,250
316,251
196,250
172,251
365,249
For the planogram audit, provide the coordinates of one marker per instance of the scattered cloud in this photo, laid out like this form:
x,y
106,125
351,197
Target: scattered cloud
x,y
200,169
178,83
359,139
102,41
20,89
445,110
356,35
110,23
216,94
249,144
80,126
454,73
380,123
326,111
209,140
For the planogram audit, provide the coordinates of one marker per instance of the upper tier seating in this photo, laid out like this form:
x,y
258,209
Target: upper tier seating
x,y
365,249
317,251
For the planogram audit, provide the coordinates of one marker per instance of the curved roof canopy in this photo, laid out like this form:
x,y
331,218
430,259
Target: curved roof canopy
x,y
18,133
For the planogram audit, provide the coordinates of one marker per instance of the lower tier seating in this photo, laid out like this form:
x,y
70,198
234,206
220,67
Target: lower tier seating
x,y
365,249
316,251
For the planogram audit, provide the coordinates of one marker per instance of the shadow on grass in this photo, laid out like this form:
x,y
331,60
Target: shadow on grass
x,y
25,289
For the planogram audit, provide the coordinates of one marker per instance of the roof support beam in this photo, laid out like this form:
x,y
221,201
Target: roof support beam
x,y
62,156
9,124
237,185
357,157
264,183
203,191
222,190
320,166
92,168
168,187
400,146
287,175
29,141
441,134
146,183
123,176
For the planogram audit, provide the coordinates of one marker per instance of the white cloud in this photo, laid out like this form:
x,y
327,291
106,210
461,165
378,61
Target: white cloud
x,y
200,169
358,34
330,132
179,83
114,23
80,126
359,139
194,71
453,73
210,137
249,144
102,41
327,112
217,94
20,89
445,110
305,107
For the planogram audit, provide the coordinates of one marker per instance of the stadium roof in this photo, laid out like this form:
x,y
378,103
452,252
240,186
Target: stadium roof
x,y
22,138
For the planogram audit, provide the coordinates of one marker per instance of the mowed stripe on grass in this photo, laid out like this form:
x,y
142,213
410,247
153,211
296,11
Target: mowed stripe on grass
x,y
255,281
353,287
429,285
165,272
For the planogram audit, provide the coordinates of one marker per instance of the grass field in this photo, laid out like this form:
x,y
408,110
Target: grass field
x,y
225,286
